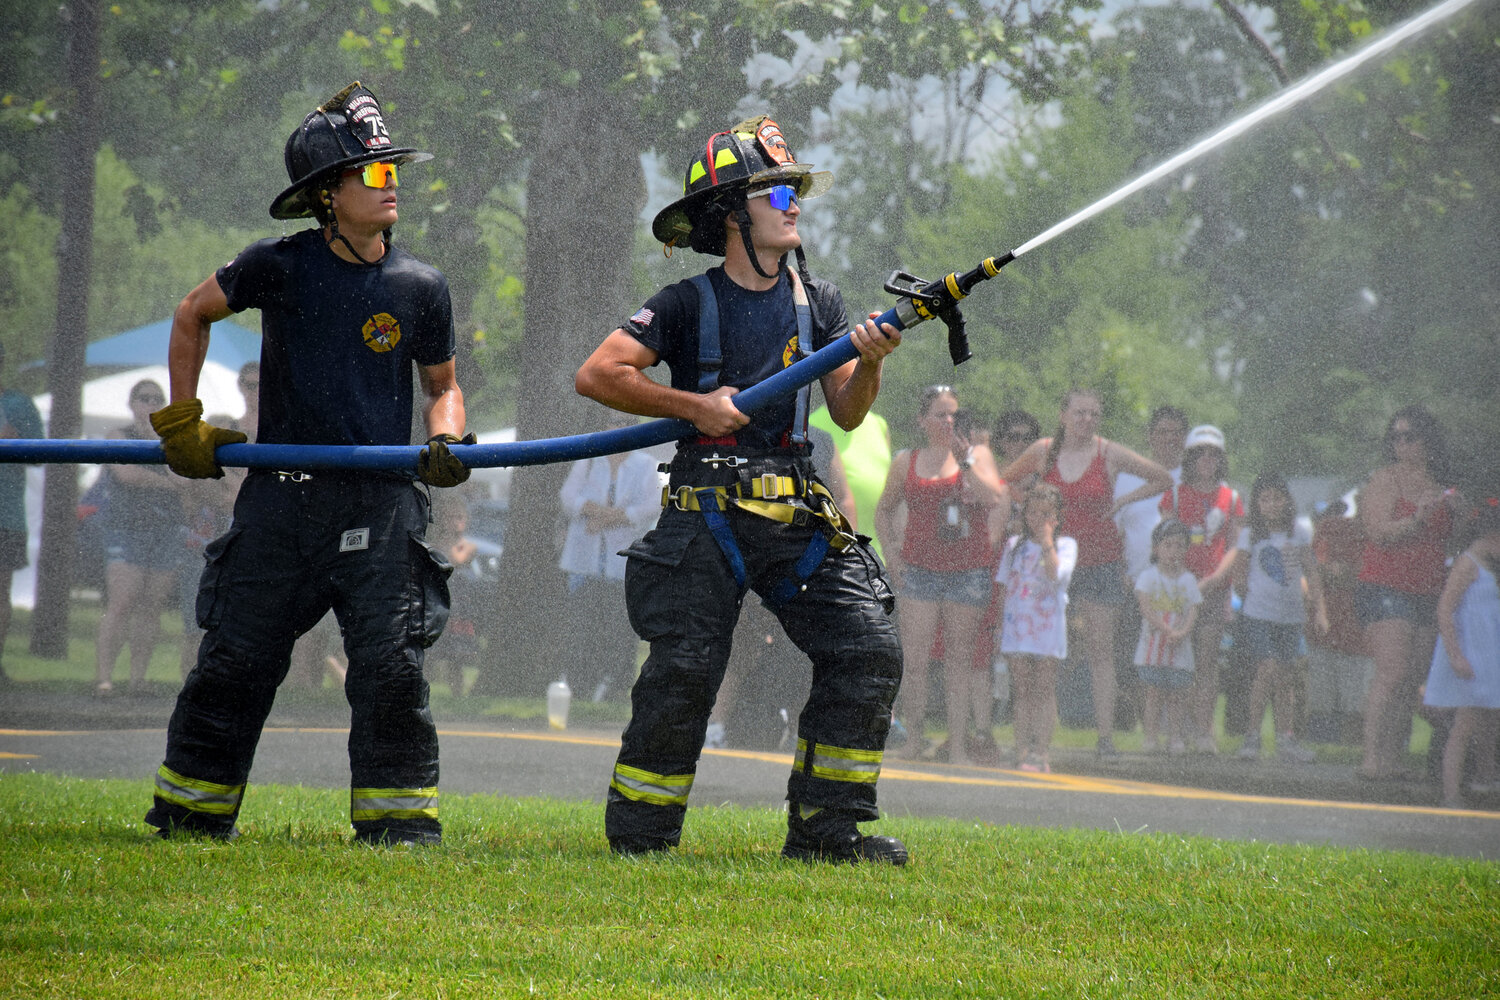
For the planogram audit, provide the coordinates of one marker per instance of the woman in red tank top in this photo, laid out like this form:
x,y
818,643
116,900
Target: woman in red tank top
x,y
939,557
1407,519
1083,466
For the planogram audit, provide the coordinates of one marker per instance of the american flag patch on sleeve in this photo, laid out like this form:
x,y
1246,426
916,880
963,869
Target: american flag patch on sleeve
x,y
644,317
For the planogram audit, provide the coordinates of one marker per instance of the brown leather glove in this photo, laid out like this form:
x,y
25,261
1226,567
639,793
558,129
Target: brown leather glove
x,y
188,442
437,466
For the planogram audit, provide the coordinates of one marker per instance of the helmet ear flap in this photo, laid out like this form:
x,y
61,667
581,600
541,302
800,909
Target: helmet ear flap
x,y
708,235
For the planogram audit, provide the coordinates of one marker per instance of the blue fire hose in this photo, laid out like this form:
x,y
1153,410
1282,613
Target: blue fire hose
x,y
920,301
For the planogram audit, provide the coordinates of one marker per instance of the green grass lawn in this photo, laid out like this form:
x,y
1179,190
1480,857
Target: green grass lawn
x,y
524,899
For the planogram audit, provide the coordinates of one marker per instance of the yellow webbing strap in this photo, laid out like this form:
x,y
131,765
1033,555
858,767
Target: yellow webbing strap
x,y
763,501
767,487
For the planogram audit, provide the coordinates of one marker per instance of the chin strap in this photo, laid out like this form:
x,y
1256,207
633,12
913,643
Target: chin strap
x,y
334,234
742,216
802,270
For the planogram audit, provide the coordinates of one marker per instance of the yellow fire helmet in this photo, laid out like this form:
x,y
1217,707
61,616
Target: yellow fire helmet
x,y
752,153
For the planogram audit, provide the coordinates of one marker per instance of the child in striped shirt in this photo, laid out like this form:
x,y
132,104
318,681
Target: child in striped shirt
x,y
1169,598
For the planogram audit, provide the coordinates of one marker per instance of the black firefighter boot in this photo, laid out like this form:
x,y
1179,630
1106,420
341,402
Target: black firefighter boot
x,y
830,835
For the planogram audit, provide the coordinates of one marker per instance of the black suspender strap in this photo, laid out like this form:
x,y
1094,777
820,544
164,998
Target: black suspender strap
x,y
710,354
804,349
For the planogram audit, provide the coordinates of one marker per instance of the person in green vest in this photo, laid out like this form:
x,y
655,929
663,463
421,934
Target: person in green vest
x,y
866,452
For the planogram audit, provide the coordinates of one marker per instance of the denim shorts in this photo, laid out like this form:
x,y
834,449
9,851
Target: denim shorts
x,y
1375,603
156,548
1102,584
1165,677
1269,640
961,586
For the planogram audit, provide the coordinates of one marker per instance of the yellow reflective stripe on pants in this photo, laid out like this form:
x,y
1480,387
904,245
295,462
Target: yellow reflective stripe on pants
x,y
840,763
393,803
198,796
654,789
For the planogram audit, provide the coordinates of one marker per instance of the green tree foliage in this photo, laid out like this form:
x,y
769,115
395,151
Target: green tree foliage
x,y
1108,305
28,274
1343,241
146,259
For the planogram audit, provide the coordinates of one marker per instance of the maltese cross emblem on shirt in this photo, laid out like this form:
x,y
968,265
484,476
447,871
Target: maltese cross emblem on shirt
x,y
381,332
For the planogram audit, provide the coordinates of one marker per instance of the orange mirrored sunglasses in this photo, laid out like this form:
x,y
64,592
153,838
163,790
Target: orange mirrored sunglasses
x,y
374,175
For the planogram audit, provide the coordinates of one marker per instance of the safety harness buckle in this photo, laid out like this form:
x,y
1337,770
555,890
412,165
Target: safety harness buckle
x,y
296,477
690,498
716,460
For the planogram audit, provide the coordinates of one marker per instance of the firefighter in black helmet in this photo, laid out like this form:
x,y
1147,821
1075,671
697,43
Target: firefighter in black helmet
x,y
744,510
346,316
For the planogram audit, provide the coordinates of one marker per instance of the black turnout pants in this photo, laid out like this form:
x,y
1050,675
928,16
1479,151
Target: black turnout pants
x,y
353,542
683,600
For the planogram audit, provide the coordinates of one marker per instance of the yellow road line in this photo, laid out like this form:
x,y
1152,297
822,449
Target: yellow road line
x,y
1055,782
50,732
987,779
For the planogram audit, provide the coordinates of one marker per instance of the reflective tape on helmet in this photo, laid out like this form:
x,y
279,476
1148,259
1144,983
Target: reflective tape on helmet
x,y
839,763
653,789
393,803
199,796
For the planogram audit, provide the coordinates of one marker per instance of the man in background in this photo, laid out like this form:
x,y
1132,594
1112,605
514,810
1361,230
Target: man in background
x,y
18,419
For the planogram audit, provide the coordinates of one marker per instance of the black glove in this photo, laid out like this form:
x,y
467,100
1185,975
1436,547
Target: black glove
x,y
436,465
189,443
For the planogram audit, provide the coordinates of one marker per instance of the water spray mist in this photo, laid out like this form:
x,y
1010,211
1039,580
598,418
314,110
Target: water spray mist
x,y
919,301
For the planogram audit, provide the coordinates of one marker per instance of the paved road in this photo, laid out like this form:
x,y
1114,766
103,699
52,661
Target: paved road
x,y
1282,808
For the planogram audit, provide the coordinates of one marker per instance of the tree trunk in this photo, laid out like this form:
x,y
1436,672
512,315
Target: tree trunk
x,y
75,252
584,193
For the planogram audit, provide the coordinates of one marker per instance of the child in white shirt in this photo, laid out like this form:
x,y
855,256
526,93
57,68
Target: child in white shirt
x,y
1035,570
1276,557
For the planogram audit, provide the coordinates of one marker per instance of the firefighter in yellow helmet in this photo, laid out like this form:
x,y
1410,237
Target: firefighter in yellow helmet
x,y
744,510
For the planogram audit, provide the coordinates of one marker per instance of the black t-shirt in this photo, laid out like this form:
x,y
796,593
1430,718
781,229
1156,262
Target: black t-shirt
x,y
340,338
757,335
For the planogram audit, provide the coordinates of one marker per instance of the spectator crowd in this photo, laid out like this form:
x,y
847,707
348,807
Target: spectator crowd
x,y
1145,594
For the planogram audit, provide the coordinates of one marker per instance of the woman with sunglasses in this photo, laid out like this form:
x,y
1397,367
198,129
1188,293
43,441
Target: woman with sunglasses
x,y
1408,518
142,549
934,517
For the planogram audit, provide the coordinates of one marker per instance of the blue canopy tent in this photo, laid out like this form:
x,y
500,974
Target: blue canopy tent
x,y
115,363
229,344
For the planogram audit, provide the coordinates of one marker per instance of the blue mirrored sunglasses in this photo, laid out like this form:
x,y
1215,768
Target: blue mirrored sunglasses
x,y
781,196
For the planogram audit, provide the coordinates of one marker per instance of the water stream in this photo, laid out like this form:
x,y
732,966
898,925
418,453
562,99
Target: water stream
x,y
1280,102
